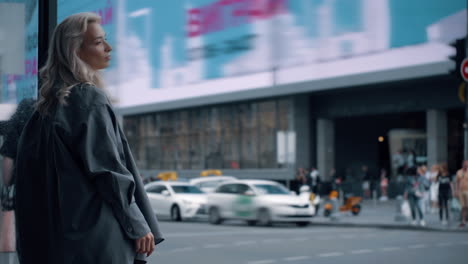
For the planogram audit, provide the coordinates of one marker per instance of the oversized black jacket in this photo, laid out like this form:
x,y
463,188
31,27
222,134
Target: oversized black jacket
x,y
79,196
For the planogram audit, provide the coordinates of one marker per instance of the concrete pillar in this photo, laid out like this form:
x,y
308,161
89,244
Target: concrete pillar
x,y
301,123
325,147
437,150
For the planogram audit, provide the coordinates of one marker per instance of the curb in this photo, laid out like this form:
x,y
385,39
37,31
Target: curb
x,y
390,227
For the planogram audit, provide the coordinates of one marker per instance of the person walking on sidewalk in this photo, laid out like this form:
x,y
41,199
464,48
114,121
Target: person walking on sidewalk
x,y
365,178
461,191
414,192
301,179
79,195
445,192
12,131
434,188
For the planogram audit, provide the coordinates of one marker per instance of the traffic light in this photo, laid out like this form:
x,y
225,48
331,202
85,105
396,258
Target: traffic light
x,y
458,57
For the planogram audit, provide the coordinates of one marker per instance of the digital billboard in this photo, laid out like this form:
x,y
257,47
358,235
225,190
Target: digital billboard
x,y
19,84
174,50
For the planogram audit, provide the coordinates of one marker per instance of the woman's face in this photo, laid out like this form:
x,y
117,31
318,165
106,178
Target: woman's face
x,y
95,50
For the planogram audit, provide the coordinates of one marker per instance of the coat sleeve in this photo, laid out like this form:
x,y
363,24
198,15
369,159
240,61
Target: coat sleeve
x,y
99,150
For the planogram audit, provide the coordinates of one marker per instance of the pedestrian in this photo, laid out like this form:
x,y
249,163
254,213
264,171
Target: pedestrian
x,y
461,191
365,178
79,196
434,188
315,180
421,171
426,201
399,162
301,179
11,130
445,192
383,185
413,193
411,159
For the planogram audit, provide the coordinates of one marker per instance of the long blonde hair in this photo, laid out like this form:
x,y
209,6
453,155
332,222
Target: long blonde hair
x,y
64,69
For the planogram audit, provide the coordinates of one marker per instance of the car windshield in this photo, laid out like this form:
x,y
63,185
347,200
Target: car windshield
x,y
186,189
271,189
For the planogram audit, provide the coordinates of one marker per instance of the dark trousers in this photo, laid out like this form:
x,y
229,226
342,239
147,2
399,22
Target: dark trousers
x,y
443,205
415,207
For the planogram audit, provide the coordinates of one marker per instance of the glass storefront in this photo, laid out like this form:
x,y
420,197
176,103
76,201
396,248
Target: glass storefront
x,y
18,81
18,66
232,136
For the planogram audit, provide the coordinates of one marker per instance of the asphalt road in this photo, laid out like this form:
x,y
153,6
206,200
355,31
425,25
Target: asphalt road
x,y
235,242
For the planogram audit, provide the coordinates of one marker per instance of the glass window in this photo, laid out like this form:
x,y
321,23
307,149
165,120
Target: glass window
x,y
18,66
271,189
267,134
186,189
234,136
228,188
242,189
247,115
158,189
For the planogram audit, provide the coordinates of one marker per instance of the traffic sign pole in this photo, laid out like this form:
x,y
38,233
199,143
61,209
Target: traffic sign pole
x,y
464,72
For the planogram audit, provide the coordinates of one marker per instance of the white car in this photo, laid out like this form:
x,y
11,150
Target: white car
x,y
177,200
258,202
209,183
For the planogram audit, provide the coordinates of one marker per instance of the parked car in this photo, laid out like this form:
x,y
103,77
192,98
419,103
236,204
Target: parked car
x,y
209,183
177,200
259,202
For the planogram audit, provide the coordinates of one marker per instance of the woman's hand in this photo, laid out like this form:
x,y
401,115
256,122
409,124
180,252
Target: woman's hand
x,y
145,244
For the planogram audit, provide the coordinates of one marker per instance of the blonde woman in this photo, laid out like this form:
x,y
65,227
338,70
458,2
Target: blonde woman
x,y
434,189
79,198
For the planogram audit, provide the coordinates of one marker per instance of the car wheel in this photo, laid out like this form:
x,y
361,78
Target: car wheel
x,y
264,217
175,213
302,224
215,216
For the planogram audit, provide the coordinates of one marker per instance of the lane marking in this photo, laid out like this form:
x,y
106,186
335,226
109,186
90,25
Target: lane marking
x,y
444,244
214,246
266,261
386,249
240,232
243,243
325,238
361,251
300,239
271,241
417,246
185,249
296,258
331,254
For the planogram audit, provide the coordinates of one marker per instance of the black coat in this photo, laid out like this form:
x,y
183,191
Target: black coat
x,y
79,196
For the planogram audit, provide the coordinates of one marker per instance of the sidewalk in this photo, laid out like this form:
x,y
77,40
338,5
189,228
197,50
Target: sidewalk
x,y
382,214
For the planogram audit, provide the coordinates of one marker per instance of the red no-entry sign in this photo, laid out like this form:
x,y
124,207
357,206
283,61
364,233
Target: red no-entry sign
x,y
464,69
